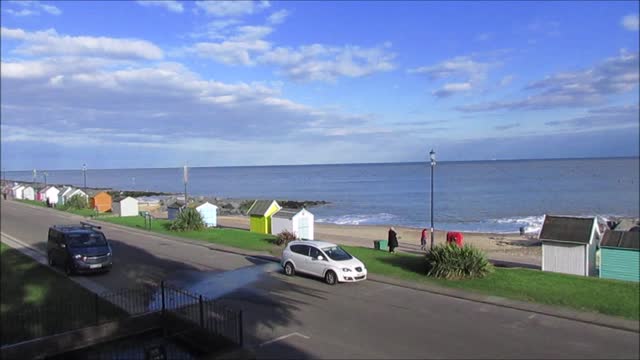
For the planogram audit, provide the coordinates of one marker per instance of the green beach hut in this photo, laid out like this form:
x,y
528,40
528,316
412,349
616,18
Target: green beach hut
x,y
260,215
620,255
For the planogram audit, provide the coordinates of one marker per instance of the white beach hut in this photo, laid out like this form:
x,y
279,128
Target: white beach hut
x,y
209,213
75,192
299,222
569,244
51,193
28,193
63,193
17,191
127,206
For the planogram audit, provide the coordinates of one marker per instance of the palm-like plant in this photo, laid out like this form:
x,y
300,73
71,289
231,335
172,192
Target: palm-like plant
x,y
189,219
452,262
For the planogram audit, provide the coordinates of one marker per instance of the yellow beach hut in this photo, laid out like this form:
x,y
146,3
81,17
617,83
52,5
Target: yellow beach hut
x,y
260,215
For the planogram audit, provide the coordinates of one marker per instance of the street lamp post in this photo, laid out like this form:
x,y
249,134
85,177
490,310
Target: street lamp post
x,y
432,157
44,174
84,176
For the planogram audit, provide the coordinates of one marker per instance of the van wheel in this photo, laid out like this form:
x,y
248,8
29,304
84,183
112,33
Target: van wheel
x,y
289,269
330,278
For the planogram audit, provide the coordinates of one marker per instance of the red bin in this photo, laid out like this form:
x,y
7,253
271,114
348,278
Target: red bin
x,y
454,237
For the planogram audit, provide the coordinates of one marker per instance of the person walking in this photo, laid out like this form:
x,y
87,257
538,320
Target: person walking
x,y
392,240
423,239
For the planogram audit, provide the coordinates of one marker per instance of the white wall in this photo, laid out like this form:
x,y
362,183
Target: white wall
x,y
18,193
125,207
209,214
52,195
304,219
564,258
279,224
29,193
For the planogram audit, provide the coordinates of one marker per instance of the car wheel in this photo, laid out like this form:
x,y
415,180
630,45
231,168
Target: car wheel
x,y
68,269
289,269
330,278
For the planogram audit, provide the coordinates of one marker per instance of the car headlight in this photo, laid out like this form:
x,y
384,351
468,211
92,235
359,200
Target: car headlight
x,y
77,256
108,254
346,269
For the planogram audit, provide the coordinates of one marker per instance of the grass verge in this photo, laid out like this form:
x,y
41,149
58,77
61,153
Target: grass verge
x,y
610,297
37,301
241,239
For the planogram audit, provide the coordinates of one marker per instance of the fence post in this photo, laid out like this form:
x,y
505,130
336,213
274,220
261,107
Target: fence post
x,y
201,312
240,330
162,291
95,306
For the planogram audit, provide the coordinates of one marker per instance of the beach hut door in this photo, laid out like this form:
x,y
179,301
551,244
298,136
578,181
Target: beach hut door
x,y
303,227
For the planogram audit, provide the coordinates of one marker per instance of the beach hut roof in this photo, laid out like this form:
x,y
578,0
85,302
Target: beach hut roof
x,y
626,224
621,240
567,229
178,204
121,197
287,213
260,207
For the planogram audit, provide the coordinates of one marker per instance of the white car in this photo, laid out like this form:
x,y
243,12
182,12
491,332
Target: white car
x,y
322,259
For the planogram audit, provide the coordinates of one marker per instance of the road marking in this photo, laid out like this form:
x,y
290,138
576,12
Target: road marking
x,y
284,337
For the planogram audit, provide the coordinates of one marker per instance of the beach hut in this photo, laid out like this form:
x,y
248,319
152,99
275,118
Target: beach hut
x,y
569,244
75,192
125,206
29,193
174,209
51,193
40,193
17,191
209,213
299,222
101,201
260,214
63,193
620,255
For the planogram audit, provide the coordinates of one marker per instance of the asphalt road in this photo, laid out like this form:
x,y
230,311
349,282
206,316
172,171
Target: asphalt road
x,y
303,318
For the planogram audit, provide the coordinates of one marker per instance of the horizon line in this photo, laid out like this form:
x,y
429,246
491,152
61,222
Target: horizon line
x,y
340,164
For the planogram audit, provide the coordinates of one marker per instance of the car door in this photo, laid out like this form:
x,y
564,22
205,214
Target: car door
x,y
61,248
300,255
316,267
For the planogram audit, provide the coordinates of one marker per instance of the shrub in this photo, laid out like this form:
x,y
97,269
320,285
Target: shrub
x,y
76,202
284,237
449,261
189,219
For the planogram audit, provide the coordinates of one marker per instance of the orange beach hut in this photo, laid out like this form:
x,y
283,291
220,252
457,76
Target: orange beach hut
x,y
100,201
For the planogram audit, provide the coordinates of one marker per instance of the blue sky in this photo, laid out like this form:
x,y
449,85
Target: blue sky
x,y
163,83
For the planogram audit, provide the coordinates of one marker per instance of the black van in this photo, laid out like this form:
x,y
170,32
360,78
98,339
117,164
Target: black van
x,y
79,248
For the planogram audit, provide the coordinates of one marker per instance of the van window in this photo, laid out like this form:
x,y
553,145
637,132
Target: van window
x,y
86,240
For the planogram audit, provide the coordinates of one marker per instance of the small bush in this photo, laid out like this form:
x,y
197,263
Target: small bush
x,y
189,219
284,237
76,202
449,261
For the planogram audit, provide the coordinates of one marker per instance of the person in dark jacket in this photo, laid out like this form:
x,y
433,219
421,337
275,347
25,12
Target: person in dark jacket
x,y
393,240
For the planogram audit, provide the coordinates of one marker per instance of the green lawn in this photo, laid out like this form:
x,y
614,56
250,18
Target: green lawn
x,y
611,297
34,202
241,239
81,212
36,301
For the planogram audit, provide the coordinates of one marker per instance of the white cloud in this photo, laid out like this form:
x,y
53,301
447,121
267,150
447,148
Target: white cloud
x,y
49,42
231,8
575,89
631,22
278,17
319,62
464,68
171,5
29,8
452,88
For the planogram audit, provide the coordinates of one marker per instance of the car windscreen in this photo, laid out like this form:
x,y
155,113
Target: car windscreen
x,y
336,253
86,240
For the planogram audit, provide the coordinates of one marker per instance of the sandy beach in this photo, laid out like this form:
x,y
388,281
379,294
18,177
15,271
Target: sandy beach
x,y
505,247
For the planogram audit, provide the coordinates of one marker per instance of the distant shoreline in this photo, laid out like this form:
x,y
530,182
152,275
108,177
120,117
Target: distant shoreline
x,y
341,164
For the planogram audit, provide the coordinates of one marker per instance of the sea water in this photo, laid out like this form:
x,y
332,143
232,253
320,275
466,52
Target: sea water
x,y
495,196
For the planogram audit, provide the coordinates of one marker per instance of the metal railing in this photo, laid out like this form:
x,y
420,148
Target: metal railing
x,y
31,322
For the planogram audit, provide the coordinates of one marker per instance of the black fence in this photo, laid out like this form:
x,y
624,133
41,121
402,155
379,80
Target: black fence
x,y
207,315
